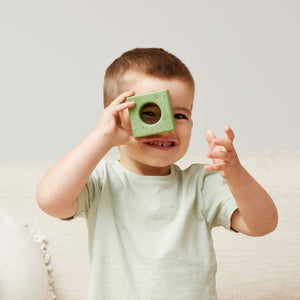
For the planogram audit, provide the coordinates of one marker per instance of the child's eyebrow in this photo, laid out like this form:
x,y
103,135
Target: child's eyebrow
x,y
182,109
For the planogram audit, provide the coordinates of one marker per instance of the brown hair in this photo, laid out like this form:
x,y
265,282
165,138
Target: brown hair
x,y
155,62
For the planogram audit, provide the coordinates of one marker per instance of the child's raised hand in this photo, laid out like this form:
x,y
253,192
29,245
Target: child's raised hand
x,y
223,154
110,122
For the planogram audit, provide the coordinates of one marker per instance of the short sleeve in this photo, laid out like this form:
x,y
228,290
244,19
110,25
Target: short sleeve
x,y
90,192
219,203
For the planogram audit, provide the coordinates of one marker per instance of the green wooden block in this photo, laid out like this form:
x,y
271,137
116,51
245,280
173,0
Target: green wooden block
x,y
152,114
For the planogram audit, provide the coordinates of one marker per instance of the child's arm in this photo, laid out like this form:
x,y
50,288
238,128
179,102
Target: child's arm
x,y
256,214
58,190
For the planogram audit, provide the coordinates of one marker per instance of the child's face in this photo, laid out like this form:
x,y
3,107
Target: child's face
x,y
152,155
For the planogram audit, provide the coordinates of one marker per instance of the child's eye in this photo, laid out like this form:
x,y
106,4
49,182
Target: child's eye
x,y
151,113
150,117
148,113
180,116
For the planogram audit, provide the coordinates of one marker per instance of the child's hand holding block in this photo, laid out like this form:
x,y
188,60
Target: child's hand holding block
x,y
152,114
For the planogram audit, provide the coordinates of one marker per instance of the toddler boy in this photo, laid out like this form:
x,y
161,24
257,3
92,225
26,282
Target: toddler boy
x,y
149,221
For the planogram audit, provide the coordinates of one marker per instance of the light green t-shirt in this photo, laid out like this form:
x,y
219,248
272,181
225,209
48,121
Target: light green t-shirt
x,y
150,236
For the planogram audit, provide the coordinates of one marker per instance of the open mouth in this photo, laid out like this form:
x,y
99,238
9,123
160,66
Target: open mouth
x,y
161,145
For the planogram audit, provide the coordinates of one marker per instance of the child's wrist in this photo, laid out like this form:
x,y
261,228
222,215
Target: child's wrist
x,y
102,138
236,175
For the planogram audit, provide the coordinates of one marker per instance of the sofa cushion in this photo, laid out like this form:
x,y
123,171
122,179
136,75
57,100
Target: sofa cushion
x,y
24,261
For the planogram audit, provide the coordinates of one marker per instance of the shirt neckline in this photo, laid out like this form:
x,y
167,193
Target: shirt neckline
x,y
148,177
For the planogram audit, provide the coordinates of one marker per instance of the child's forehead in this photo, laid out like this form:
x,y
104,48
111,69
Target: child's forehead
x,y
140,81
181,93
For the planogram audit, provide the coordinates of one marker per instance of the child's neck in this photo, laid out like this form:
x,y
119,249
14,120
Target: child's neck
x,y
145,170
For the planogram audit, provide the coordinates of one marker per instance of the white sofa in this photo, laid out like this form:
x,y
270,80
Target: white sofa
x,y
248,268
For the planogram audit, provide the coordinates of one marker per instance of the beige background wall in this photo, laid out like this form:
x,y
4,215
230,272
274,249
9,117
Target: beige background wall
x,y
244,56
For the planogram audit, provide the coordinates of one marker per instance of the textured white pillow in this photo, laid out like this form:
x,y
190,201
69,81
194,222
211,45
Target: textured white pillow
x,y
24,262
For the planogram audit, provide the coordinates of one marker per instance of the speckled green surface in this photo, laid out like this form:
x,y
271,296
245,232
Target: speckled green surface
x,y
166,122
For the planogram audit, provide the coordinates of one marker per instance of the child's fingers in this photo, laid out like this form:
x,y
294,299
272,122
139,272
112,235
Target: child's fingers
x,y
210,136
219,155
124,106
225,142
215,167
117,109
229,133
122,98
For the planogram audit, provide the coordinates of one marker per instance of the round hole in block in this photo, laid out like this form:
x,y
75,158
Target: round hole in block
x,y
150,113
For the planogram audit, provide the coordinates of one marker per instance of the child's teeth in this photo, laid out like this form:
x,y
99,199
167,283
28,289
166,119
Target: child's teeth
x,y
161,144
